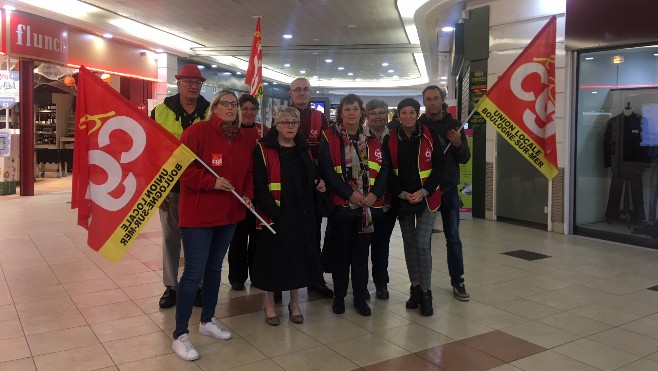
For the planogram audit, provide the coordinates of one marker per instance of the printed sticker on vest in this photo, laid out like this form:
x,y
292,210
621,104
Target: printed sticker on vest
x,y
378,154
217,159
428,154
314,133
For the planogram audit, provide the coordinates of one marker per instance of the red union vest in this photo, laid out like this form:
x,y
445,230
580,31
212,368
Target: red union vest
x,y
424,163
273,166
316,127
375,159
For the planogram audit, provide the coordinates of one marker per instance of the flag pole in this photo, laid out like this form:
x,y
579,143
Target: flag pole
x,y
461,127
238,197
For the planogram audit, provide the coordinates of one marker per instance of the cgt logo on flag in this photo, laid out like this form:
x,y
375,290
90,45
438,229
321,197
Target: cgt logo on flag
x,y
125,164
521,103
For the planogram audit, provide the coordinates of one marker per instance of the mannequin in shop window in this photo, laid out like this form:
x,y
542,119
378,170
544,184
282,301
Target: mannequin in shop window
x,y
622,151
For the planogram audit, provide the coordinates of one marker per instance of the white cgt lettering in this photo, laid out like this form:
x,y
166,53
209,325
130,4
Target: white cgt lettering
x,y
544,107
100,193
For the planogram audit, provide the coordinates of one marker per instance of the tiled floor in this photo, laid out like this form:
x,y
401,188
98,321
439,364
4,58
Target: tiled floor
x,y
587,306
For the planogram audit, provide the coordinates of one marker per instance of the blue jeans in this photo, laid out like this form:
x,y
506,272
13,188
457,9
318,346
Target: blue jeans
x,y
450,217
204,249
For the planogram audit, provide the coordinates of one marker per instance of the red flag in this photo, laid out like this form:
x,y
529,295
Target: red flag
x,y
125,164
254,77
521,104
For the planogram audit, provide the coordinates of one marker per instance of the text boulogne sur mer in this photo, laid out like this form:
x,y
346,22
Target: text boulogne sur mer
x,y
515,136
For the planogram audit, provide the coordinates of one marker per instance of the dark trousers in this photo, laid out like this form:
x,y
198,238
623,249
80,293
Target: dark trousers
x,y
450,217
204,249
350,249
381,240
631,185
242,250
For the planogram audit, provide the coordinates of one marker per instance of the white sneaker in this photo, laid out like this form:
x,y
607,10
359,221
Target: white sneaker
x,y
213,329
184,349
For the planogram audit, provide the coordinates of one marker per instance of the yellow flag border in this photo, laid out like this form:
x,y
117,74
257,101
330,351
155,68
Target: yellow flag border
x,y
146,205
509,130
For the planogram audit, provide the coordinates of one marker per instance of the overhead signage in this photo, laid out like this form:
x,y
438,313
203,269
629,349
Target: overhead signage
x,y
33,37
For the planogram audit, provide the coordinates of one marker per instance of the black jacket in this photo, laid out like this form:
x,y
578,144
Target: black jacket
x,y
408,178
454,156
337,185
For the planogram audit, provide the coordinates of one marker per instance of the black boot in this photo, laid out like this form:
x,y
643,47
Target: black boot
x,y
414,299
426,303
362,307
382,291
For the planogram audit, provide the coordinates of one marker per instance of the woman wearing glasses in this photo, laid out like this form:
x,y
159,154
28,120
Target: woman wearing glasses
x,y
208,214
352,164
284,186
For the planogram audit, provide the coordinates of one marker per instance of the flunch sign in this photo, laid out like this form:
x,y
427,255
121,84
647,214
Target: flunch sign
x,y
35,37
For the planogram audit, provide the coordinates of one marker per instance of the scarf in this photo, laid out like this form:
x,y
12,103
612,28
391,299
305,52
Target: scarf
x,y
229,129
358,174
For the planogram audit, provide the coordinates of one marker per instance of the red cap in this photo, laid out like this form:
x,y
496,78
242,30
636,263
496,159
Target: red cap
x,y
190,71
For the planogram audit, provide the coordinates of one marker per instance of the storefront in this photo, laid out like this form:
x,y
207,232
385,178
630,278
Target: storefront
x,y
41,125
616,120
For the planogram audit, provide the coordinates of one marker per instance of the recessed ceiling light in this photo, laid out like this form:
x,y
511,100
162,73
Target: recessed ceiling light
x,y
159,51
352,26
201,66
266,83
595,92
226,73
328,60
302,71
350,74
238,73
341,68
444,77
214,66
107,35
385,64
358,79
396,76
589,58
287,36
316,39
286,65
656,54
274,83
391,71
448,29
315,77
317,92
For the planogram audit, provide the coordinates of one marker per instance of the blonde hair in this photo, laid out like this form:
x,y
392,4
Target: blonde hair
x,y
215,102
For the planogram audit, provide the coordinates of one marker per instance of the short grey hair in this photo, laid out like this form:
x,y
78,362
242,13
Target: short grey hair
x,y
286,111
376,103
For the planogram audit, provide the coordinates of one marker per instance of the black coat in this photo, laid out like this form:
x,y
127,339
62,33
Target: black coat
x,y
287,260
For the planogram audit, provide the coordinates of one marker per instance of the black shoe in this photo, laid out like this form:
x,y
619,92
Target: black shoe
x,y
322,289
362,308
168,299
426,303
237,286
278,297
198,299
382,291
460,293
414,298
338,306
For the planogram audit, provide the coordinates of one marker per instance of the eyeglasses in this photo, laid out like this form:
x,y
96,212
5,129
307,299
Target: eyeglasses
x,y
192,82
351,109
374,113
288,123
252,109
225,103
300,90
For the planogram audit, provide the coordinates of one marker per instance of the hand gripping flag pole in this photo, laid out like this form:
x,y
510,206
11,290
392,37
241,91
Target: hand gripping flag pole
x,y
238,197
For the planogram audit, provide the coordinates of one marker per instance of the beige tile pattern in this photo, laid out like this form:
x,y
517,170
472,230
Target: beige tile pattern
x,y
64,307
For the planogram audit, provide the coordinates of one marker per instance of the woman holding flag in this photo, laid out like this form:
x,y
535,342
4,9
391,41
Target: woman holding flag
x,y
209,212
417,162
284,186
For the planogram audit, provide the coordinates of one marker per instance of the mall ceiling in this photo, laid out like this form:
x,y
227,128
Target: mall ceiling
x,y
339,43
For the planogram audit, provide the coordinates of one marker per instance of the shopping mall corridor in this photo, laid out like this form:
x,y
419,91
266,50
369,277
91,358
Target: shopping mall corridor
x,y
582,304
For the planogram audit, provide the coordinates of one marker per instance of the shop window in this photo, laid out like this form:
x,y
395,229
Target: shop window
x,y
616,172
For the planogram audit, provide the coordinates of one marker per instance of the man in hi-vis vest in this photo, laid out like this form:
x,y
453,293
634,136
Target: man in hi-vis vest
x,y
176,114
312,123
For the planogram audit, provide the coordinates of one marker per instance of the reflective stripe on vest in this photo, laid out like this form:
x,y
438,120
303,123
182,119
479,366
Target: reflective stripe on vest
x,y
433,201
336,150
273,166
